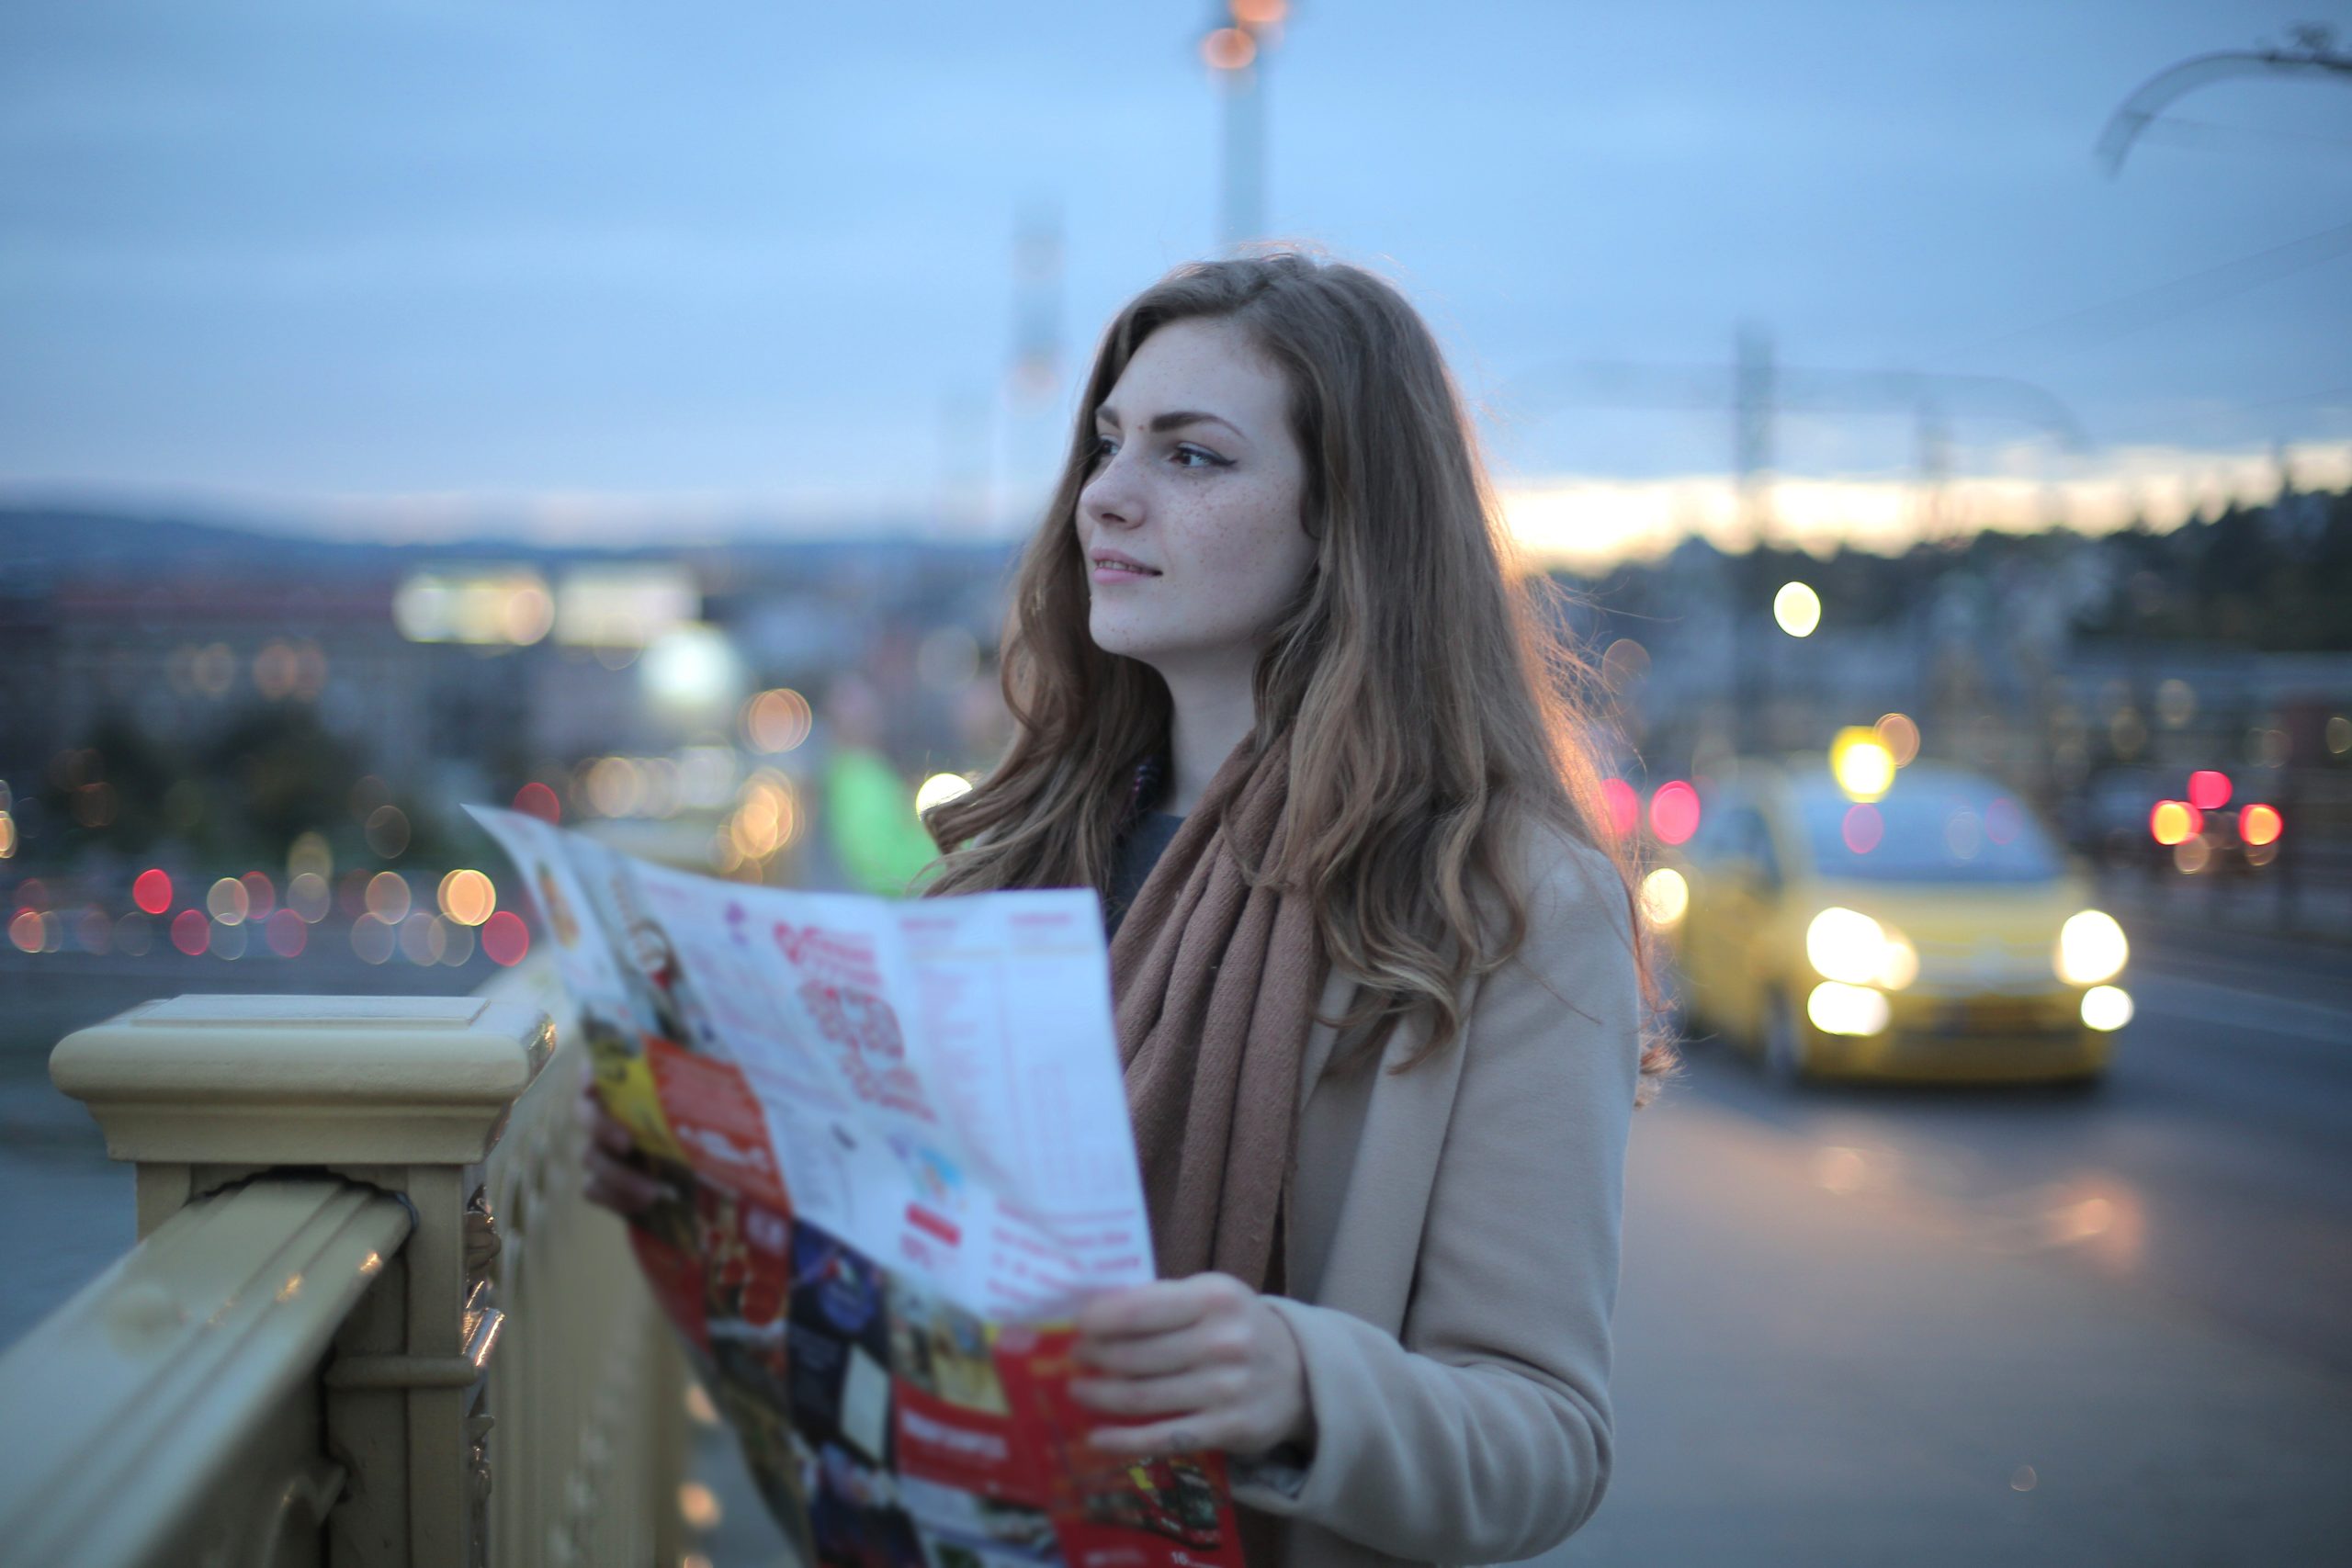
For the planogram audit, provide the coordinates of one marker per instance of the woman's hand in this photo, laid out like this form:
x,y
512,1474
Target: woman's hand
x,y
1206,1355
613,1183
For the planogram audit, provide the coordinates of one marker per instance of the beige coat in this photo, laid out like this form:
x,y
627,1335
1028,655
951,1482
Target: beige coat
x,y
1451,1257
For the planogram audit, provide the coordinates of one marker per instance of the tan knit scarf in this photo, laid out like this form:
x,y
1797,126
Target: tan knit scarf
x,y
1215,982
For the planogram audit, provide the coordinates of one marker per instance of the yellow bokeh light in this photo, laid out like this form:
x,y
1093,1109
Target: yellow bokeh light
x,y
1797,608
2106,1008
7,835
939,789
1861,763
699,1506
1666,896
468,898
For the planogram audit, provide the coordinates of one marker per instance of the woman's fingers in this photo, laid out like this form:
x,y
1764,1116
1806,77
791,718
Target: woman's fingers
x,y
621,1187
1219,1339
1196,1389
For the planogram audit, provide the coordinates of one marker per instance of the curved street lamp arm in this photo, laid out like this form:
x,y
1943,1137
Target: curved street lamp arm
x,y
2158,92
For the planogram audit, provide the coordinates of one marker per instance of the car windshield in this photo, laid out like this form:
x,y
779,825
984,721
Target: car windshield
x,y
1929,829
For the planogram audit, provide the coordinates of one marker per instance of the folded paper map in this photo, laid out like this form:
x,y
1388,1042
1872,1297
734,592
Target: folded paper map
x,y
897,1148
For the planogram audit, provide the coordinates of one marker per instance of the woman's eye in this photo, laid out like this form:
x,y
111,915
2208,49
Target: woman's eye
x,y
1103,446
1199,457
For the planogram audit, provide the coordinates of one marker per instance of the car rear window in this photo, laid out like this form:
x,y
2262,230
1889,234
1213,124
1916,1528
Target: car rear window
x,y
1925,830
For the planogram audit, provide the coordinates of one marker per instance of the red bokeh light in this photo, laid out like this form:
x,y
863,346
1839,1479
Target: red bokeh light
x,y
504,937
288,933
1674,812
535,799
260,896
191,933
2259,824
1864,828
152,891
1624,806
2208,790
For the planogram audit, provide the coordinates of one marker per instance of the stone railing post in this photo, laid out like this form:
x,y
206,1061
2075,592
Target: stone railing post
x,y
407,1095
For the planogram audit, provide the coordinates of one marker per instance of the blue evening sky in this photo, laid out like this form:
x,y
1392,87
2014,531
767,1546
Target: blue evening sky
x,y
766,252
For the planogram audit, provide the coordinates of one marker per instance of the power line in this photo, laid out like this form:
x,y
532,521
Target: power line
x,y
2167,130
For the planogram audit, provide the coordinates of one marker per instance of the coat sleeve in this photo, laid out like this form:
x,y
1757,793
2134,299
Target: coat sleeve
x,y
1484,1436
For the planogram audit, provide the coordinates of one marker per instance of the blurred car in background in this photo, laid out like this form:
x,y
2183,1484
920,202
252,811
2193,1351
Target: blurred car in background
x,y
1931,931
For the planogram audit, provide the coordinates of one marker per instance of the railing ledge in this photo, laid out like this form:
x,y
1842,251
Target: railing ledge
x,y
144,1407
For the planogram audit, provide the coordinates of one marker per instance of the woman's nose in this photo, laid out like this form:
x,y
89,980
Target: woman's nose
x,y
1109,497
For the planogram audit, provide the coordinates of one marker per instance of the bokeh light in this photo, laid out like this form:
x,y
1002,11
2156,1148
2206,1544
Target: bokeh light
x,y
373,939
191,933
310,856
2209,790
1864,828
423,939
287,933
467,897
939,789
152,890
535,799
2106,1008
2174,821
776,721
1666,896
25,931
1674,812
1797,608
229,901
261,898
2091,948
1861,763
1901,734
388,897
504,939
308,895
2260,825
1228,48
387,832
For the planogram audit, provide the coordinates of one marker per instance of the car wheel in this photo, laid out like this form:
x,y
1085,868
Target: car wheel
x,y
1784,1056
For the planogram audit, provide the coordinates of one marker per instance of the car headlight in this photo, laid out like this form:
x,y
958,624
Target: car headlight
x,y
2091,948
1848,946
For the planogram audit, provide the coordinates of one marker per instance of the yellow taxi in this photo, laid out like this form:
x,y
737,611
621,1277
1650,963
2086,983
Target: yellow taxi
x,y
1928,930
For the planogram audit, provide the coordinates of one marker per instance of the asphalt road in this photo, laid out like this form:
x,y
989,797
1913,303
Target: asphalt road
x,y
2025,1327
1856,1325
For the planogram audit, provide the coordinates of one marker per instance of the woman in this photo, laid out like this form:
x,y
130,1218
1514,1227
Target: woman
x,y
1380,990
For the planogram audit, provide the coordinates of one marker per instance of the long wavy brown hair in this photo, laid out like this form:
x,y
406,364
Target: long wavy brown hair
x,y
1434,714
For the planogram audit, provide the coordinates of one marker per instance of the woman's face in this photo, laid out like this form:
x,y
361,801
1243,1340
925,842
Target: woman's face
x,y
1191,520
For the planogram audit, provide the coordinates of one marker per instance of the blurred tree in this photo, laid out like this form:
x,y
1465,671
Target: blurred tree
x,y
287,774
110,790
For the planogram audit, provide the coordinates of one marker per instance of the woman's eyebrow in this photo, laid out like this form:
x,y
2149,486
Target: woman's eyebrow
x,y
1172,420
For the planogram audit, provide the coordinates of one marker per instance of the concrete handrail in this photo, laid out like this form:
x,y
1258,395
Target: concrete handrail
x,y
156,1417
301,1359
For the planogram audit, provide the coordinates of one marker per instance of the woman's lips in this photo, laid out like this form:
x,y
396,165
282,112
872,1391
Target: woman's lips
x,y
1111,571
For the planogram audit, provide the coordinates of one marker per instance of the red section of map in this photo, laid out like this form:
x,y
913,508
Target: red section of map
x,y
675,1277
1167,1511
966,1448
717,1122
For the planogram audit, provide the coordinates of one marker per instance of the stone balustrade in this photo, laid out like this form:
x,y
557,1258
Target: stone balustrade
x,y
369,1320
